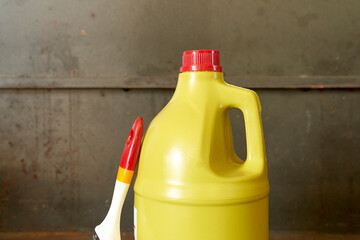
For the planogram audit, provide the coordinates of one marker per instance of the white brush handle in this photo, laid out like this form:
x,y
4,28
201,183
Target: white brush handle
x,y
109,229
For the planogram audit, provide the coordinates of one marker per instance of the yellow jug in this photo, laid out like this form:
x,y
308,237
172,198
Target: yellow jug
x,y
191,185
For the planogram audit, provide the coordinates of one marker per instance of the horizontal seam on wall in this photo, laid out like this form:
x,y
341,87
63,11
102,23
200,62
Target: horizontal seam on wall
x,y
169,82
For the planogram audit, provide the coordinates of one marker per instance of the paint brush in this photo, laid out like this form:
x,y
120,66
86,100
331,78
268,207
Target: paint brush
x,y
109,229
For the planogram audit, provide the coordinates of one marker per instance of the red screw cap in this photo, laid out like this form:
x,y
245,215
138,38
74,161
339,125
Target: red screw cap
x,y
201,60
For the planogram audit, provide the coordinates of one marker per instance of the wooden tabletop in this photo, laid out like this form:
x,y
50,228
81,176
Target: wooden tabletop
x,y
55,236
129,236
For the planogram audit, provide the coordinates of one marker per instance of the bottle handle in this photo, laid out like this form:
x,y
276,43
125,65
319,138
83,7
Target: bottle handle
x,y
248,102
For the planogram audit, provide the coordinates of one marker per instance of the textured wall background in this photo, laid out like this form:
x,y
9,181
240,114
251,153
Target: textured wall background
x,y
74,75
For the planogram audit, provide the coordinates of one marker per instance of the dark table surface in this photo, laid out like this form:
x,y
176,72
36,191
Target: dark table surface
x,y
129,236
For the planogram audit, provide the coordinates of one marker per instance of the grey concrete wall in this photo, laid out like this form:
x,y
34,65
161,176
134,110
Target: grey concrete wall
x,y
94,66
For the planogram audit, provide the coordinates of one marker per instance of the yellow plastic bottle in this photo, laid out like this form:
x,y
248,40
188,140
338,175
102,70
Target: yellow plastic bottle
x,y
191,185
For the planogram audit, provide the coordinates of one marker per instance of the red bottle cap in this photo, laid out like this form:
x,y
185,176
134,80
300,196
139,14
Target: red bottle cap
x,y
201,60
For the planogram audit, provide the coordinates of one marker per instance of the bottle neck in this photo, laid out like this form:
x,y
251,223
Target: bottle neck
x,y
197,83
